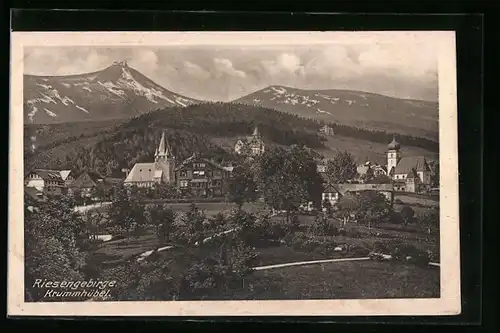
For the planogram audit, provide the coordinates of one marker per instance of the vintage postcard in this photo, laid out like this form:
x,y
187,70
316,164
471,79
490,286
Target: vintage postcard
x,y
233,174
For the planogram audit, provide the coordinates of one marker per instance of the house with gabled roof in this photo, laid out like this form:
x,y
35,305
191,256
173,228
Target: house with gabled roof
x,y
89,182
47,181
410,173
333,192
202,177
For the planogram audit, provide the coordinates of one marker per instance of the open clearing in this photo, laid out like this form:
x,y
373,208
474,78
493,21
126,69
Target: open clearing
x,y
352,280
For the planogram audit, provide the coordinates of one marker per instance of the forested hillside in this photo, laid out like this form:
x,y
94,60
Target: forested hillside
x,y
109,147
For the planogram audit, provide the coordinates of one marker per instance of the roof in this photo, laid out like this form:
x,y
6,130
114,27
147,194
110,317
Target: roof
x,y
394,144
93,179
163,148
412,175
95,176
113,181
362,169
406,164
196,158
64,174
48,174
143,172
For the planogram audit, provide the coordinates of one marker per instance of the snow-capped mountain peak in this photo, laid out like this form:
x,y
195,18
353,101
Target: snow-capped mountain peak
x,y
118,91
353,108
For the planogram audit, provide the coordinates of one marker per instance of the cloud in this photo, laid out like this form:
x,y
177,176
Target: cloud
x,y
62,61
225,66
284,65
196,71
145,59
402,69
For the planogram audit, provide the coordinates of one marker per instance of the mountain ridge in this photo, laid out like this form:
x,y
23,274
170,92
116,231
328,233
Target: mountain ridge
x,y
115,92
353,108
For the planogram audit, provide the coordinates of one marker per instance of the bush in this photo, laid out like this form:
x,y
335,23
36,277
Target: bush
x,y
358,250
322,227
354,233
410,253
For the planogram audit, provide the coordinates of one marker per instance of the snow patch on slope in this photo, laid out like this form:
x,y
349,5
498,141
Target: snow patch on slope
x,y
67,85
50,113
32,113
80,108
128,81
112,88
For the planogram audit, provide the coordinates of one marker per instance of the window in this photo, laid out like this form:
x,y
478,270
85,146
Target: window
x,y
198,165
183,173
199,172
184,183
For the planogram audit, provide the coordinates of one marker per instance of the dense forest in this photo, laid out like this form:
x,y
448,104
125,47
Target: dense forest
x,y
108,148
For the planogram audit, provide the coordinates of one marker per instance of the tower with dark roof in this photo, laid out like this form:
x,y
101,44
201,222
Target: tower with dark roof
x,y
165,160
393,154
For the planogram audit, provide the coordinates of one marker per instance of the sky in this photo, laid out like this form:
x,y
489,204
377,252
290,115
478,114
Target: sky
x,y
223,73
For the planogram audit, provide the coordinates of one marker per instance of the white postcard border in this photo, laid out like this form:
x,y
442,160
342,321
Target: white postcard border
x,y
448,304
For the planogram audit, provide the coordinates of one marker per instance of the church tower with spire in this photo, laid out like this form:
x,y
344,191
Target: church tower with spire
x,y
165,160
393,155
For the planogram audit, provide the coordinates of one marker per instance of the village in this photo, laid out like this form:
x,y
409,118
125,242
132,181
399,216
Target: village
x,y
199,177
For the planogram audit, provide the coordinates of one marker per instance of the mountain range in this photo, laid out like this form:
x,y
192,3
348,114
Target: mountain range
x,y
352,108
122,92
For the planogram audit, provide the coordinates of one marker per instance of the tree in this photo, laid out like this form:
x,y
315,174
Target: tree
x,y
192,226
435,174
380,179
288,179
407,213
347,205
369,207
242,186
51,231
341,169
368,176
429,219
162,218
126,213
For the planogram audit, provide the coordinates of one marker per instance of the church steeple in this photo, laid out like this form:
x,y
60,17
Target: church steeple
x,y
163,151
256,131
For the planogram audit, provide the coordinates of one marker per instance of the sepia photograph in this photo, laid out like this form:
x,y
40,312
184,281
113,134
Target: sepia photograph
x,y
292,173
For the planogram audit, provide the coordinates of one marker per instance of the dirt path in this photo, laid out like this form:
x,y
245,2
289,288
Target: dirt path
x,y
304,263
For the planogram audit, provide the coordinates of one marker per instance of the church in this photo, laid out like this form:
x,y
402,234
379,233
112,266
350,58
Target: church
x,y
251,145
196,175
409,173
161,171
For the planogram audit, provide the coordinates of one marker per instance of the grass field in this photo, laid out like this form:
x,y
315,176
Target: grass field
x,y
351,280
416,201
